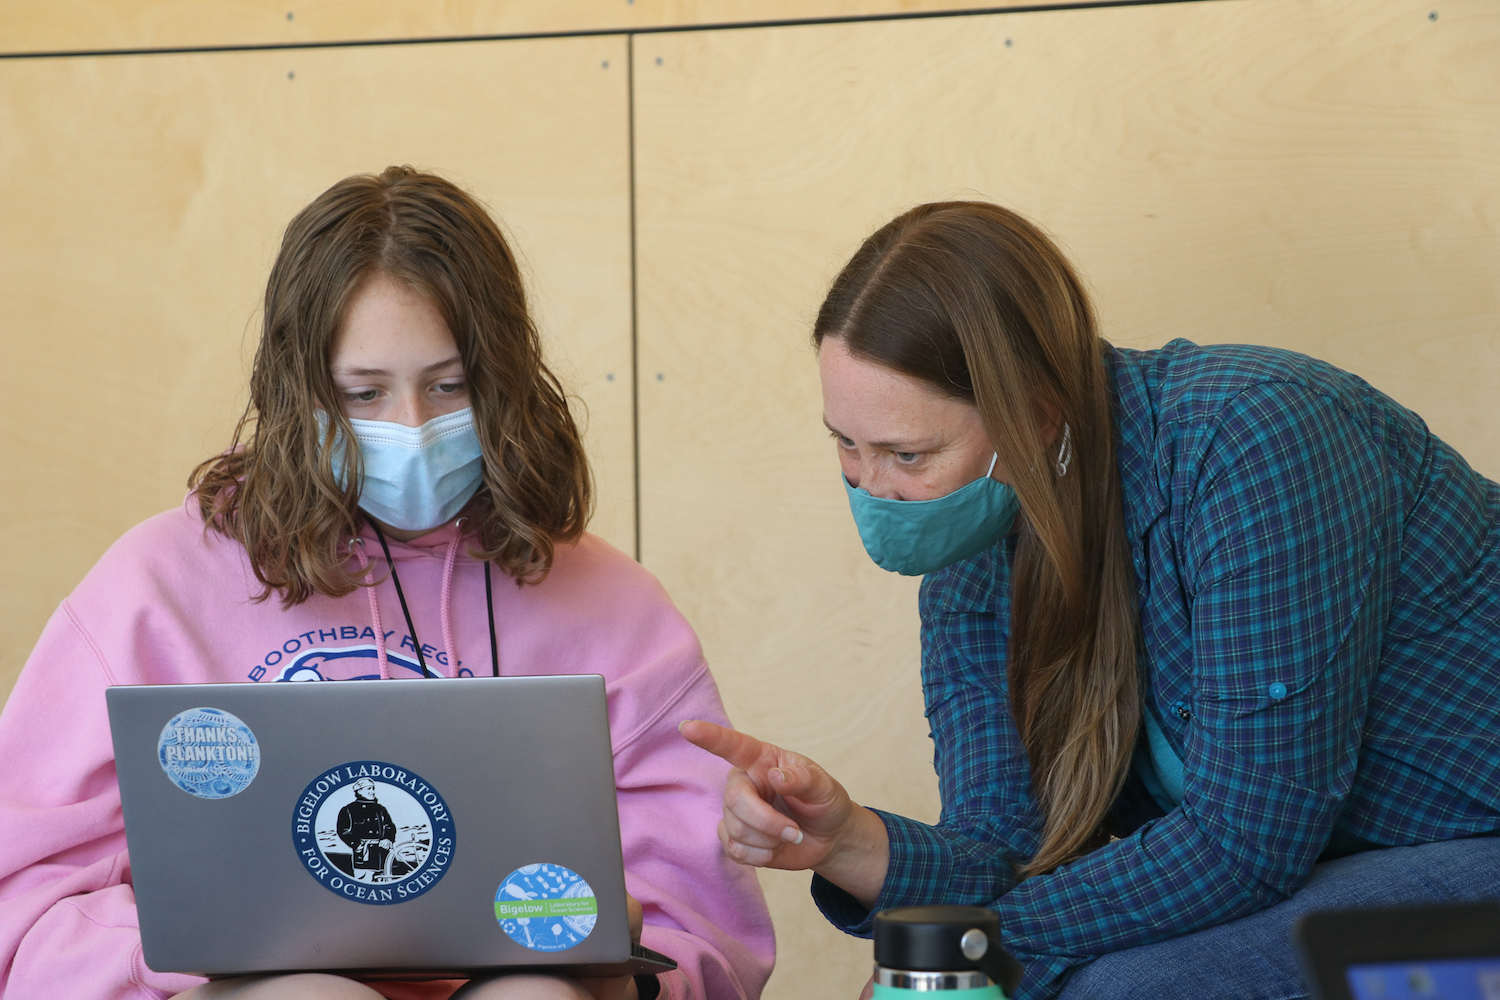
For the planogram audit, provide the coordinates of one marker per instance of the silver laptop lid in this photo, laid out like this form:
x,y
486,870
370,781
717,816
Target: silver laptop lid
x,y
385,826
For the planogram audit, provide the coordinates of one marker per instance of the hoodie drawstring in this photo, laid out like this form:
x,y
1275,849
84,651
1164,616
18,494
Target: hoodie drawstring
x,y
411,628
447,603
358,545
446,611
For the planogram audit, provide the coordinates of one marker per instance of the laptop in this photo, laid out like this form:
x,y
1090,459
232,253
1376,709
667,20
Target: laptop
x,y
401,829
1447,952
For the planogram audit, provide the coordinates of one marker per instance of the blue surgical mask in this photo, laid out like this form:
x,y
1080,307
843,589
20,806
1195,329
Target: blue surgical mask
x,y
415,478
915,537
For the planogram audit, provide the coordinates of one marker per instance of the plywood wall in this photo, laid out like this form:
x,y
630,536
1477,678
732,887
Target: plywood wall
x,y
1322,175
142,200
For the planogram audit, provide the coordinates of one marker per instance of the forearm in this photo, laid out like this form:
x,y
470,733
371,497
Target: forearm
x,y
947,863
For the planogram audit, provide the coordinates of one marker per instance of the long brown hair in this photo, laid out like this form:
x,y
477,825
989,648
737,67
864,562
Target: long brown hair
x,y
976,301
276,490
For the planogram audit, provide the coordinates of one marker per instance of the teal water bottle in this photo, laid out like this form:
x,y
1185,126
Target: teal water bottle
x,y
954,950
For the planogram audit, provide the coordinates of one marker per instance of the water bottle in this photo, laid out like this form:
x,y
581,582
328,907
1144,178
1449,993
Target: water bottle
x,y
953,949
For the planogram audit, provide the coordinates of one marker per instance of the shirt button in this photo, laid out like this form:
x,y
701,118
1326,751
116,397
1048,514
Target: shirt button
x,y
1277,691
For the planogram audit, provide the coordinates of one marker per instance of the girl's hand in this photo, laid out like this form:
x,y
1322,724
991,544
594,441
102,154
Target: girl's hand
x,y
622,987
781,810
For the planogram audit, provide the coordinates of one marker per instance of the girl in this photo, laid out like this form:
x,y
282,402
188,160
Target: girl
x,y
1209,634
406,497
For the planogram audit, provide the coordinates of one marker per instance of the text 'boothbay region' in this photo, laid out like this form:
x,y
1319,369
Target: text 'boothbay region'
x,y
373,832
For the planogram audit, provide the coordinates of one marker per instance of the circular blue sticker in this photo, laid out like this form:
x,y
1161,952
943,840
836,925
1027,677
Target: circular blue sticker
x,y
546,907
373,832
208,753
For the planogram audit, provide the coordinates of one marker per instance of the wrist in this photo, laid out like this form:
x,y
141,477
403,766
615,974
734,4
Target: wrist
x,y
858,859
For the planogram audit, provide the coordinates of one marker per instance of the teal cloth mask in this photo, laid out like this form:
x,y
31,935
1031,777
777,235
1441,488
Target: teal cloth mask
x,y
915,537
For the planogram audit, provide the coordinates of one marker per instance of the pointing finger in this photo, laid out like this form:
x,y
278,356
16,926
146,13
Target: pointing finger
x,y
740,749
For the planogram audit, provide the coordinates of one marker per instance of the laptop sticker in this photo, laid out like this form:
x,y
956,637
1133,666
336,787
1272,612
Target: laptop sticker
x,y
208,753
373,832
546,907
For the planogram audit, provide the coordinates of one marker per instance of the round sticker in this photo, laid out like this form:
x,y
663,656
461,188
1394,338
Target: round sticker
x,y
208,753
373,832
546,907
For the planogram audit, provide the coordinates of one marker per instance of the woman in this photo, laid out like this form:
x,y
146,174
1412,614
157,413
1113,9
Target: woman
x,y
448,540
1211,636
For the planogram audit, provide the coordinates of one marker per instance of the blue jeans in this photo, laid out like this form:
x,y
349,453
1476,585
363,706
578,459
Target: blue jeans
x,y
1253,958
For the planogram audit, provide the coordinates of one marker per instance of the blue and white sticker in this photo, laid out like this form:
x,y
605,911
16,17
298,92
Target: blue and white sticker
x,y
208,753
546,907
373,832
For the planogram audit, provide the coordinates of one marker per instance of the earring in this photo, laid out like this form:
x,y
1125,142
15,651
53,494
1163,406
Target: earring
x,y
1065,453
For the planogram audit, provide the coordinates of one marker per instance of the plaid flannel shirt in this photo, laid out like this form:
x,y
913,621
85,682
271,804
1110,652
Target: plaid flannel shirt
x,y
1319,588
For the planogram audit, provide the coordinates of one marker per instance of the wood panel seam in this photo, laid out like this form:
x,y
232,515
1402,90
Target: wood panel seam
x,y
635,368
666,29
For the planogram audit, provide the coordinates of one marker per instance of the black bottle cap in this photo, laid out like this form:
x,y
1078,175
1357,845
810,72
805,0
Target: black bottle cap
x,y
932,939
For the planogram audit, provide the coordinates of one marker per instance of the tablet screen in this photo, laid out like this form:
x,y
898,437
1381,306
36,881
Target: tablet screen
x,y
1433,979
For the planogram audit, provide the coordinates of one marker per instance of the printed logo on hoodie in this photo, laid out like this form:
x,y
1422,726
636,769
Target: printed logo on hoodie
x,y
305,657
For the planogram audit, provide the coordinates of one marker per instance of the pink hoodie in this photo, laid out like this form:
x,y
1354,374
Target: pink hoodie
x,y
170,604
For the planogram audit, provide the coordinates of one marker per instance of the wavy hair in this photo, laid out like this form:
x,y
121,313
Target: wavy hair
x,y
276,491
979,303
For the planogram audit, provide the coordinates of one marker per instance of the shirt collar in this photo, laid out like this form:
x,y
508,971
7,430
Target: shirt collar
x,y
1134,379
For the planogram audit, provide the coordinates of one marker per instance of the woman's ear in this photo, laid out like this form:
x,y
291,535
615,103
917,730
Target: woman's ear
x,y
1049,421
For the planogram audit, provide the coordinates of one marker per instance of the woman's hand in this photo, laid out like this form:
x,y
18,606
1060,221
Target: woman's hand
x,y
781,810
